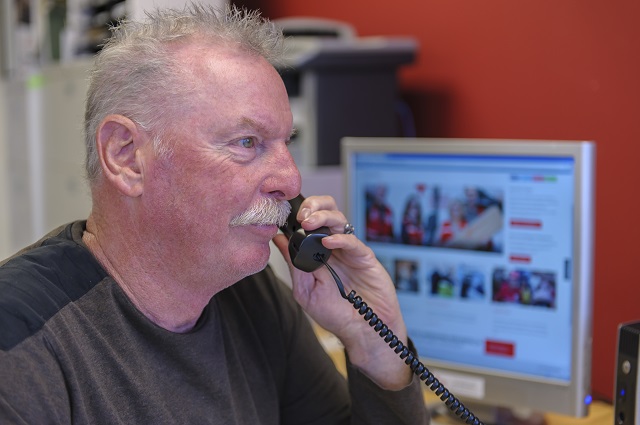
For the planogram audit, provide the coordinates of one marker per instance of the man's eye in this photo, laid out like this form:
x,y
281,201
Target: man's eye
x,y
248,142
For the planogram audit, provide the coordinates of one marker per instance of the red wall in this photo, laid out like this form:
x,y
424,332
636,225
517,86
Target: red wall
x,y
530,69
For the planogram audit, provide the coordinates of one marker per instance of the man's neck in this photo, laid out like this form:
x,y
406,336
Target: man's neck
x,y
167,302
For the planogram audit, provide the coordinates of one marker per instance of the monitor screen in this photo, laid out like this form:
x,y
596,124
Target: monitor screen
x,y
490,246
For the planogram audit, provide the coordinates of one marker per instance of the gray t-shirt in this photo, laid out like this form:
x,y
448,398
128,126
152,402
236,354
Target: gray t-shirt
x,y
74,349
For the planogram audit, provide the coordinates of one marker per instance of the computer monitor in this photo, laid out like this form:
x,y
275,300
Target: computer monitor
x,y
490,246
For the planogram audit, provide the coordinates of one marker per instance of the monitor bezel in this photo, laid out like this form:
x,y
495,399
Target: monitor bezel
x,y
502,388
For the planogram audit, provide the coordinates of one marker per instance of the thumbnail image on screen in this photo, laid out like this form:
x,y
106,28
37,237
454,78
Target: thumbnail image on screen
x,y
461,217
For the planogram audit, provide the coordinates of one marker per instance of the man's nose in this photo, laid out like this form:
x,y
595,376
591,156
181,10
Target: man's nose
x,y
285,176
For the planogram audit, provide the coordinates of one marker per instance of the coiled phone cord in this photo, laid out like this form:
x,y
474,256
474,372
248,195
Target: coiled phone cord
x,y
402,350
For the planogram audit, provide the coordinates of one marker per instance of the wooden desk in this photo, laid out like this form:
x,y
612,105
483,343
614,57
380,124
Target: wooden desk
x,y
600,413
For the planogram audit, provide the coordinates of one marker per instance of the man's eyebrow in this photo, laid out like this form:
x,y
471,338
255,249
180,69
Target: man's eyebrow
x,y
257,125
250,122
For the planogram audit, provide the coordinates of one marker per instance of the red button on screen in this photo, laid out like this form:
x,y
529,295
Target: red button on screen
x,y
525,223
506,349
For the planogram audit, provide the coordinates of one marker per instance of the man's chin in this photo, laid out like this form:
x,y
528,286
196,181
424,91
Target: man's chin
x,y
255,261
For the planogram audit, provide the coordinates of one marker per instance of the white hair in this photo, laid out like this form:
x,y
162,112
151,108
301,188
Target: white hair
x,y
136,75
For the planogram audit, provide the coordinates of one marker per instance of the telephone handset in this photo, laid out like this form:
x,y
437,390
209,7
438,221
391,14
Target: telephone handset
x,y
305,248
308,254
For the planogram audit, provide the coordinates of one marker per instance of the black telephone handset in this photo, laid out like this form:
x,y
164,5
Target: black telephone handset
x,y
305,248
308,254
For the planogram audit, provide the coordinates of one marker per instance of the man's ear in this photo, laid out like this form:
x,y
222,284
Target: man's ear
x,y
119,143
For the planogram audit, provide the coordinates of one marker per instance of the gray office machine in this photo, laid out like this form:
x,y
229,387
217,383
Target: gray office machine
x,y
340,85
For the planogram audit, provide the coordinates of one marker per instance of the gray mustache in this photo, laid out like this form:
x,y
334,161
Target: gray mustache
x,y
267,211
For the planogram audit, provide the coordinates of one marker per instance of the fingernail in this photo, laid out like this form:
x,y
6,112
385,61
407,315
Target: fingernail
x,y
305,212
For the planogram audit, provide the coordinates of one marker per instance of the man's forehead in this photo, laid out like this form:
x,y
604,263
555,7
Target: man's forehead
x,y
202,51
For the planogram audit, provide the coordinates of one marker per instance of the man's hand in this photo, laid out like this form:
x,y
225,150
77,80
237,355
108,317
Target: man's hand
x,y
359,270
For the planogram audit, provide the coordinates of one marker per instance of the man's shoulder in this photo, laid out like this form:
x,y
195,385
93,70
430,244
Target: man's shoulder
x,y
40,280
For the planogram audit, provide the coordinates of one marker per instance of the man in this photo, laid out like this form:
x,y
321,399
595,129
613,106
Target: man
x,y
158,309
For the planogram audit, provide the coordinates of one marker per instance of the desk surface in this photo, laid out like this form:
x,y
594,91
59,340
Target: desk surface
x,y
600,413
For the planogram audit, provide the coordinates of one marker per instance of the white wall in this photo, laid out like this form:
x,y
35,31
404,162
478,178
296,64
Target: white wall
x,y
65,192
16,165
4,175
41,154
